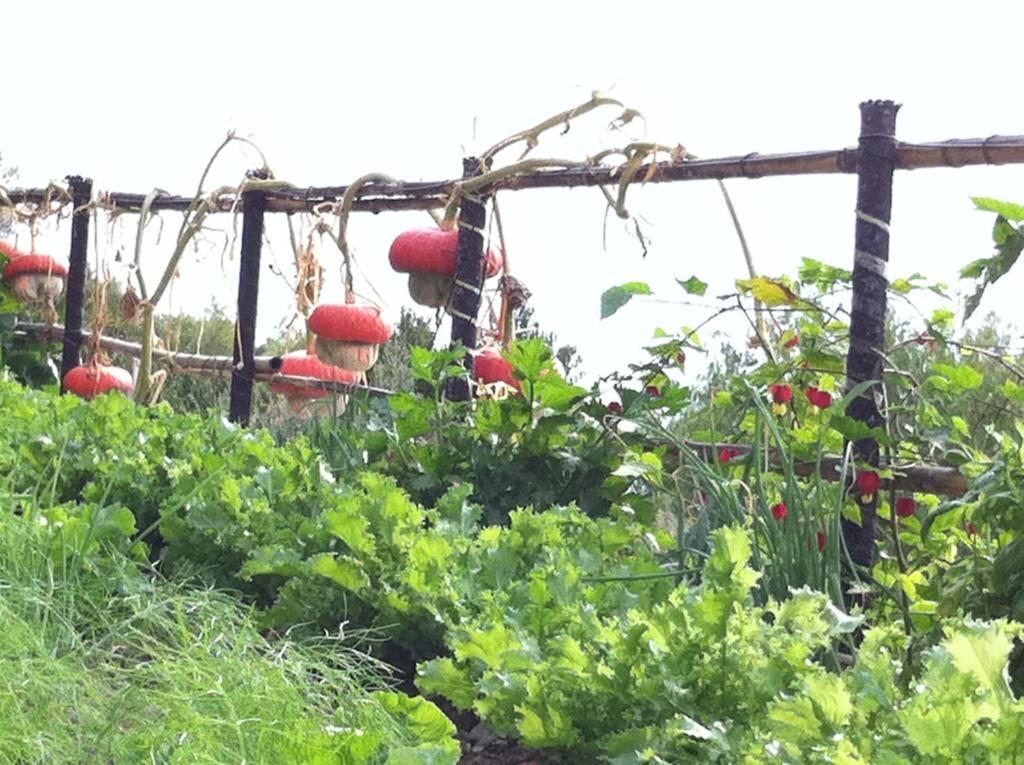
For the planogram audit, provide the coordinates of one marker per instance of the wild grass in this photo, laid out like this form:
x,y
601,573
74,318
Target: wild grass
x,y
103,662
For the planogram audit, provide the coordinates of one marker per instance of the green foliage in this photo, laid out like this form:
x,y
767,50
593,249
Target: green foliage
x,y
960,708
101,663
549,446
613,298
1009,241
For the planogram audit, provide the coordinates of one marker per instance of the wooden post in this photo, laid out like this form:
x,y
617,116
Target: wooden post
x,y
470,273
877,158
243,374
74,300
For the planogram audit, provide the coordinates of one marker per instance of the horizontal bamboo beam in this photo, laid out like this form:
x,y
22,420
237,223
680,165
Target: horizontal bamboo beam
x,y
958,152
201,364
193,362
925,479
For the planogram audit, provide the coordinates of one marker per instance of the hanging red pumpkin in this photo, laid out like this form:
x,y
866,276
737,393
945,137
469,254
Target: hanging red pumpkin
x,y
490,367
92,380
34,278
428,255
303,364
349,335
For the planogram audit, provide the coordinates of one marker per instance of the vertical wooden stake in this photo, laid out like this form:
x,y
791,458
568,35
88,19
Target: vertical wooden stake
x,y
470,272
243,374
876,161
74,301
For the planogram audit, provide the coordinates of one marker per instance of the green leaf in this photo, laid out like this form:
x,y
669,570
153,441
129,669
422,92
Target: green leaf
x,y
821,275
615,297
548,727
693,286
981,651
345,571
1008,210
855,430
830,698
444,678
901,286
962,376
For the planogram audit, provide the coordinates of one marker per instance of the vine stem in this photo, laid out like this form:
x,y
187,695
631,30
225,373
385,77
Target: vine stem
x,y
343,214
532,135
471,185
762,324
190,226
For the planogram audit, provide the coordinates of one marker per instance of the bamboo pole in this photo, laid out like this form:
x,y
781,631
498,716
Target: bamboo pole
x,y
74,303
243,373
470,273
426,195
926,479
868,303
172,360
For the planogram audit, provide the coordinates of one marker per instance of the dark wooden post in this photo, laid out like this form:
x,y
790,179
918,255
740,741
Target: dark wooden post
x,y
74,301
876,161
243,374
470,272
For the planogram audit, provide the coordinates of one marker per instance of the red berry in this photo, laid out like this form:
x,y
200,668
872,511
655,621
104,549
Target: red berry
x,y
781,393
868,483
727,454
615,407
780,511
681,358
819,398
971,529
905,507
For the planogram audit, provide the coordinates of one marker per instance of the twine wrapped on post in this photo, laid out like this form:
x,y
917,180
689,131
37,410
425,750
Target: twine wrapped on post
x,y
470,272
877,160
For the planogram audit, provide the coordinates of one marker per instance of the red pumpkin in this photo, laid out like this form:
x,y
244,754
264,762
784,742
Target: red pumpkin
x,y
490,366
34,278
302,364
92,380
428,255
349,335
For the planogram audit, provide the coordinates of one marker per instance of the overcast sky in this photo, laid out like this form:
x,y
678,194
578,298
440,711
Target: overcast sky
x,y
137,95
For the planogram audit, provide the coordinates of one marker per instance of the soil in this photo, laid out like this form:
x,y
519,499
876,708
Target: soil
x,y
480,746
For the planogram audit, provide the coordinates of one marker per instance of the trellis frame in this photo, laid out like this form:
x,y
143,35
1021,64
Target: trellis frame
x,y
878,155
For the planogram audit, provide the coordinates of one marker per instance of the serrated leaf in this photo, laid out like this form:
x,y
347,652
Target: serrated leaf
x,y
614,298
771,292
1008,210
345,571
693,286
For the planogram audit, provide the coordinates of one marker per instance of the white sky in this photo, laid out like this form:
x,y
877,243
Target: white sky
x,y
139,94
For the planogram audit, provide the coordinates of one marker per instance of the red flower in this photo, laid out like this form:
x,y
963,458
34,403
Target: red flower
x,y
681,358
868,484
615,407
822,541
819,398
652,391
792,342
780,511
782,393
725,455
905,507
